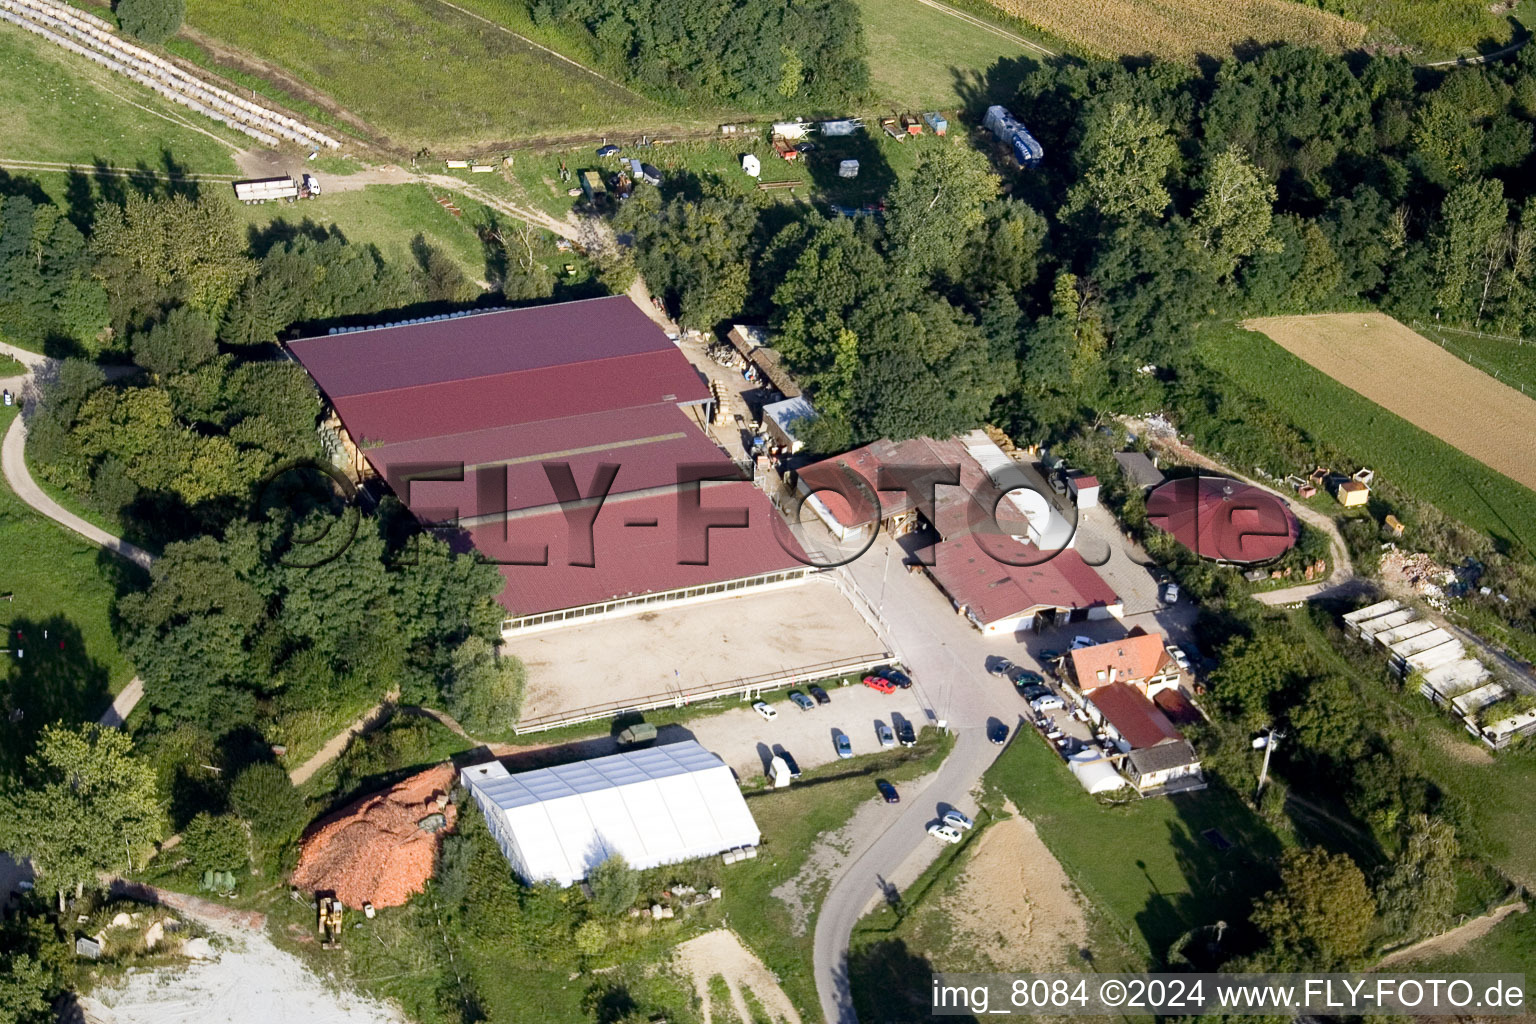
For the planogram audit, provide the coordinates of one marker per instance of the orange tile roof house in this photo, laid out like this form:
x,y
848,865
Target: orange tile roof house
x,y
1139,660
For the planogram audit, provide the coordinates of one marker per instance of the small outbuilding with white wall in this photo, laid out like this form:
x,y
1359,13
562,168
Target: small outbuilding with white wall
x,y
662,805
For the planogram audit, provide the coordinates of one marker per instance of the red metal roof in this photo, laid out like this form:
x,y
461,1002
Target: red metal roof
x,y
522,396
479,345
1218,517
639,546
648,444
576,383
974,575
1136,719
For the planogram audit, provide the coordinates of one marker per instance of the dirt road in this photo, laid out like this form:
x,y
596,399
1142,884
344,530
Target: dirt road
x,y
1452,941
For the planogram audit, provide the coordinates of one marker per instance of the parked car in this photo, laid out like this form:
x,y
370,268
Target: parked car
x,y
1050,656
880,683
789,762
1057,481
820,694
1179,657
1026,679
957,819
888,791
767,712
1049,702
1170,593
904,733
998,734
944,833
843,744
898,677
1031,692
800,700
1079,642
884,735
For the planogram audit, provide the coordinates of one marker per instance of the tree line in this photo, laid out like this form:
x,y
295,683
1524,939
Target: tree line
x,y
762,54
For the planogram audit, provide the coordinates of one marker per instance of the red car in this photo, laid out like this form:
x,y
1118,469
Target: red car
x,y
880,683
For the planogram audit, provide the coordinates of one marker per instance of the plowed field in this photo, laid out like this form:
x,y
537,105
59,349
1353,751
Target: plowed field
x,y
1405,373
1184,28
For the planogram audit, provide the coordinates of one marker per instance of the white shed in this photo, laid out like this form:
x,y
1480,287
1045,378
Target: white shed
x,y
1084,488
661,805
1096,773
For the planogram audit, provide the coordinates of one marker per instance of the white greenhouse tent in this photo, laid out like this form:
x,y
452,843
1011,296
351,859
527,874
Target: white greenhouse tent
x,y
1095,773
661,805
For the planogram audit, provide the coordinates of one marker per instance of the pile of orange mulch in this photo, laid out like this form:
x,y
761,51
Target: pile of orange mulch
x,y
375,850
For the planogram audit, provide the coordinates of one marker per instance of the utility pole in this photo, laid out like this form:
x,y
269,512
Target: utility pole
x,y
1269,745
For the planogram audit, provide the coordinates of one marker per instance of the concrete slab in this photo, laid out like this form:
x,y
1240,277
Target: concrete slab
x,y
689,647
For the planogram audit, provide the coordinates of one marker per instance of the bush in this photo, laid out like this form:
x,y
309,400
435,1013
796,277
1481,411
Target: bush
x,y
615,886
216,842
265,797
485,689
153,21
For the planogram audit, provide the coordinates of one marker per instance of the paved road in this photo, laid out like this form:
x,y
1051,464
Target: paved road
x,y
14,464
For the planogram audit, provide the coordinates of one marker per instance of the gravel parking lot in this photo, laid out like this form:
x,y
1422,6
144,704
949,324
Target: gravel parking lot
x,y
747,743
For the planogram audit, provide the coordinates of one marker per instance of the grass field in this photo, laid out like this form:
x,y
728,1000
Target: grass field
x,y
1434,28
421,73
922,57
56,107
389,217
1508,361
1145,865
60,584
1184,29
1328,412
1405,373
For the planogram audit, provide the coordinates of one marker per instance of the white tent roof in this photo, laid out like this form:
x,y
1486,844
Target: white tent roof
x,y
1097,775
661,805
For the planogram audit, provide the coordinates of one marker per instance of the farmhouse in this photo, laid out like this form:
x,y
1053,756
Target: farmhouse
x,y
1223,519
565,443
989,538
662,805
1156,755
1139,660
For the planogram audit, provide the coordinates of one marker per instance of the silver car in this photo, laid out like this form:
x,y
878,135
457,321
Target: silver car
x,y
883,731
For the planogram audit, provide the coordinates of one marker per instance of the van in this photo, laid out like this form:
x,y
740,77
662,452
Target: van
x,y
640,732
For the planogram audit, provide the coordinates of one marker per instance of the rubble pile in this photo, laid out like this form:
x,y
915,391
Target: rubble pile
x,y
382,849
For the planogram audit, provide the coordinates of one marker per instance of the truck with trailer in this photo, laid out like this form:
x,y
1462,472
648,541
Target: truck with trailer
x,y
263,190
1010,131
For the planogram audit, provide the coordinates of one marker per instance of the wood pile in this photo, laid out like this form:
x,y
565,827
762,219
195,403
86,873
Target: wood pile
x,y
381,849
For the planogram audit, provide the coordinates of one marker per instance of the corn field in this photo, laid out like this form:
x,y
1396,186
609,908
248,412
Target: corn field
x,y
1181,29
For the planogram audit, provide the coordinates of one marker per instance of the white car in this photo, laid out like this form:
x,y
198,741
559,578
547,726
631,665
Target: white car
x,y
957,820
1050,702
945,833
767,712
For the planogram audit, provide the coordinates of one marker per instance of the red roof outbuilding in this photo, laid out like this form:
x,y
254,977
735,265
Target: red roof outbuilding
x,y
1221,518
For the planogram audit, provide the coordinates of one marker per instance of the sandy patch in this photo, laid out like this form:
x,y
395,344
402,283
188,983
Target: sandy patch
x,y
1013,907
251,982
721,952
1452,941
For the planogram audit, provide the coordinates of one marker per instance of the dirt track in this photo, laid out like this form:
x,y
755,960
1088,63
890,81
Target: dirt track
x,y
1407,374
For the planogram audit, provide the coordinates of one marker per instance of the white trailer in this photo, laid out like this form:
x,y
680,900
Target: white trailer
x,y
261,190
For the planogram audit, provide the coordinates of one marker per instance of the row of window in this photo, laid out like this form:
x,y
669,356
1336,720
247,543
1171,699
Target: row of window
x,y
661,597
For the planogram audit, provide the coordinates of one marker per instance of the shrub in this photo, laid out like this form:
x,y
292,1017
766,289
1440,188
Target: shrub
x,y
615,886
153,21
265,797
216,842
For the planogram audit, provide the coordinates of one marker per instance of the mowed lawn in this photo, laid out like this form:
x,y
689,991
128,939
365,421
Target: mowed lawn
x,y
922,57
60,108
1414,459
387,216
420,72
62,585
1146,865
